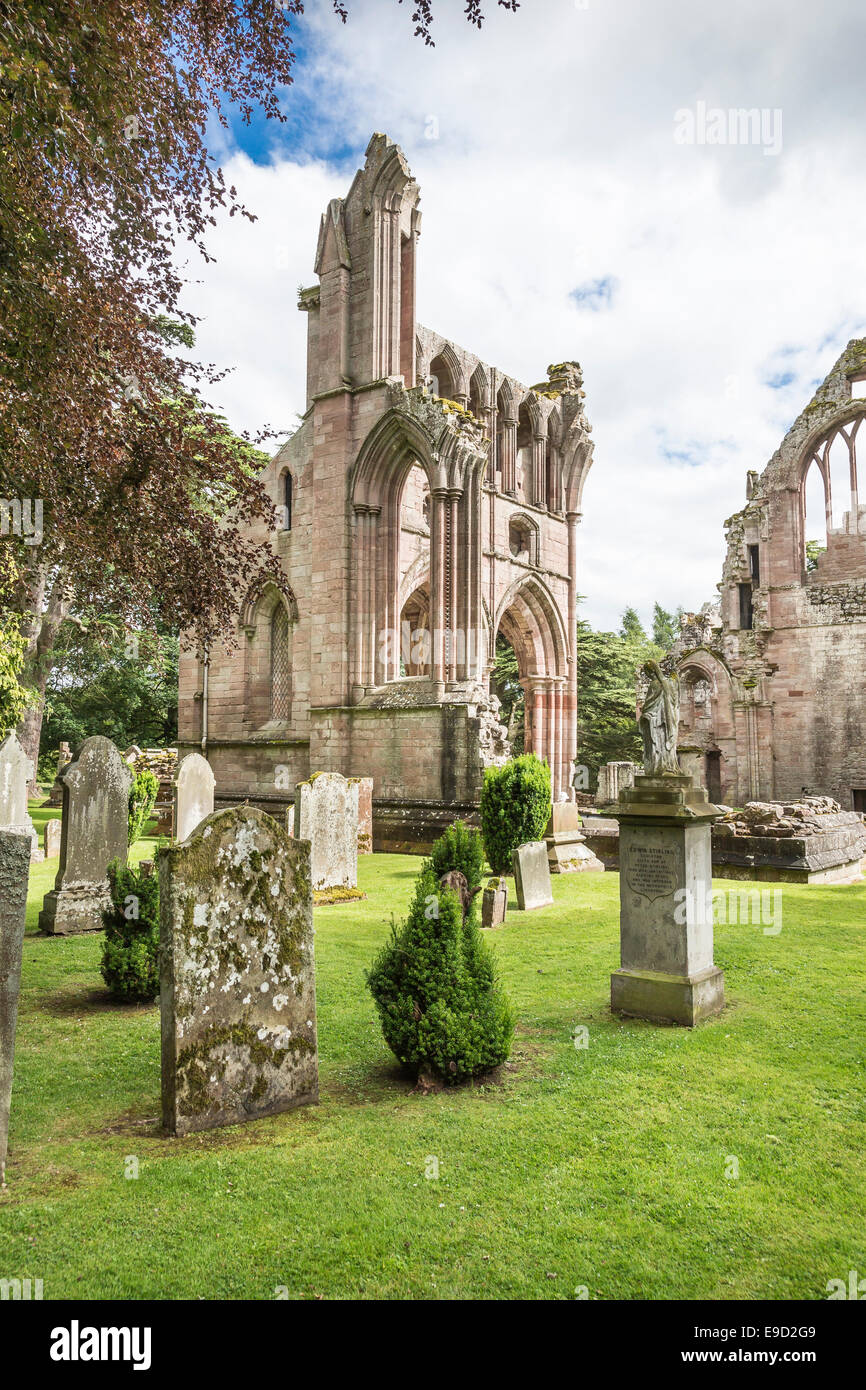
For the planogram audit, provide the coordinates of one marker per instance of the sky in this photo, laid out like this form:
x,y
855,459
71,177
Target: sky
x,y
579,203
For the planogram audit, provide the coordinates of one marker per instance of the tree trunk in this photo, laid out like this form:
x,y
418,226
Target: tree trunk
x,y
45,604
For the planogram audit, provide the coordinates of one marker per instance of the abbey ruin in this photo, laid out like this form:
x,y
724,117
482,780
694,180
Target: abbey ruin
x,y
773,679
430,502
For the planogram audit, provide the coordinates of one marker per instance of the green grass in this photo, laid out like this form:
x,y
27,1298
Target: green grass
x,y
603,1167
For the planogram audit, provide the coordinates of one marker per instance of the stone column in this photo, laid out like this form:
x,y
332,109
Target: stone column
x,y
539,470
14,871
372,660
454,560
438,615
509,457
666,920
570,709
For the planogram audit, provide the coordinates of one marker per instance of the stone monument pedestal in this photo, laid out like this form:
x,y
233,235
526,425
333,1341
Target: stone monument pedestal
x,y
567,850
666,923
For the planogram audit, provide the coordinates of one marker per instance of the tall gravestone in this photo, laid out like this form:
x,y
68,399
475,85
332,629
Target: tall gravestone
x,y
95,819
326,814
667,970
14,872
193,794
237,974
532,876
16,769
666,924
365,815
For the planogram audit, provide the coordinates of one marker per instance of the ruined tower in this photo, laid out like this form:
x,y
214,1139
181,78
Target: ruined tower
x,y
429,501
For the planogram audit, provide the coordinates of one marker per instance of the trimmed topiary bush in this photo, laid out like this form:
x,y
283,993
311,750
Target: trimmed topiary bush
x,y
460,847
142,799
130,951
515,808
441,1007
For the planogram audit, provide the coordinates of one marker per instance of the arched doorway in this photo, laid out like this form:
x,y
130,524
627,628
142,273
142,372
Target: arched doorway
x,y
529,623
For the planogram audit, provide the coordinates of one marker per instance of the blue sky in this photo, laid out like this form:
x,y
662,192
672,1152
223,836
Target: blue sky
x,y
705,289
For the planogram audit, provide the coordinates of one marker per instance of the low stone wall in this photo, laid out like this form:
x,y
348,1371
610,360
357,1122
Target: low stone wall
x,y
410,827
813,841
810,841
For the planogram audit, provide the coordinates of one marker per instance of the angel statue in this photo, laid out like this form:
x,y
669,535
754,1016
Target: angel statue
x,y
659,721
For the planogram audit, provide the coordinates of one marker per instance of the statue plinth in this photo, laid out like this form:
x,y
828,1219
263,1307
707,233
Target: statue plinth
x,y
666,924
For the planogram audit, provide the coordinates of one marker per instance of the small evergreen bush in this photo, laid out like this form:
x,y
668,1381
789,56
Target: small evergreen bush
x,y
130,951
142,799
515,808
460,847
436,990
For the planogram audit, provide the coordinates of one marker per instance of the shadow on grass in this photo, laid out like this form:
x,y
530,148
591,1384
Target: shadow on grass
x,y
91,1001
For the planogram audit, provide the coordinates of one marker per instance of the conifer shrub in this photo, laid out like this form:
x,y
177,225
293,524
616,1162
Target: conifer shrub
x,y
460,847
436,989
142,799
130,951
515,808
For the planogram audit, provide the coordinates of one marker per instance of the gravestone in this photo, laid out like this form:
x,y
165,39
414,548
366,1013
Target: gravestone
x,y
51,836
532,876
14,872
193,794
666,921
95,819
16,770
64,758
494,902
567,850
237,975
326,814
365,815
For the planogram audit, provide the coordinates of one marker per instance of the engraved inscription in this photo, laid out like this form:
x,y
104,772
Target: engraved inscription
x,y
651,871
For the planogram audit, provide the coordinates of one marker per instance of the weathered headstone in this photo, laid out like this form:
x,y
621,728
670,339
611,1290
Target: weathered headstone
x,y
494,902
16,769
237,974
51,836
666,918
567,850
326,814
95,819
193,794
532,876
14,871
64,758
365,815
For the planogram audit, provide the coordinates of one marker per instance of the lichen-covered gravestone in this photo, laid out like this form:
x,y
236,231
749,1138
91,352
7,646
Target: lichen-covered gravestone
x,y
14,871
193,793
95,823
16,769
326,814
237,974
532,875
494,903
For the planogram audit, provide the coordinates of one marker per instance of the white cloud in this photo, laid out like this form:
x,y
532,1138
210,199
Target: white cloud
x,y
556,167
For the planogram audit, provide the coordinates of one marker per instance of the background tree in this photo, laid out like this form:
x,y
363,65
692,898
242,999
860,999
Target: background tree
x,y
666,627
104,168
607,666
109,680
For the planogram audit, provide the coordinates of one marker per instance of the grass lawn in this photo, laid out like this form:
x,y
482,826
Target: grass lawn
x,y
602,1167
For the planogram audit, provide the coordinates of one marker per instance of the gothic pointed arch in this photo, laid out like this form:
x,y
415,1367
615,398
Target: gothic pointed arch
x,y
268,618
